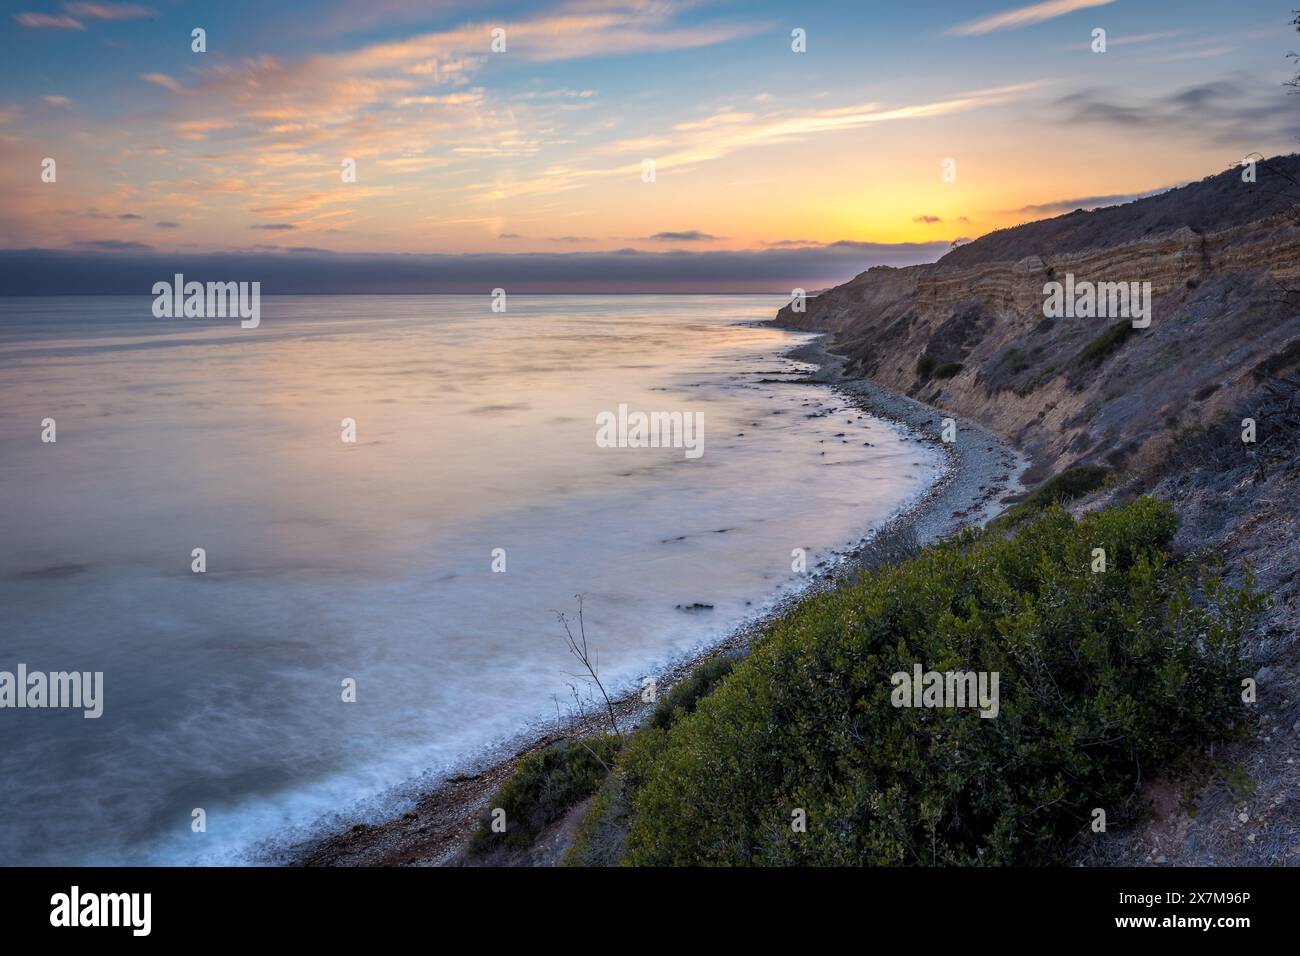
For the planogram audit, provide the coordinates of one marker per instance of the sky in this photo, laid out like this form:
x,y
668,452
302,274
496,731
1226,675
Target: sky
x,y
770,166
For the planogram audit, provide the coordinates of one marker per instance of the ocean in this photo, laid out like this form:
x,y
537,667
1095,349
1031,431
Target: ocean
x,y
421,564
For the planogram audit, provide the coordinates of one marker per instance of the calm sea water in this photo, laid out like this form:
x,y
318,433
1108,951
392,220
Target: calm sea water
x,y
372,560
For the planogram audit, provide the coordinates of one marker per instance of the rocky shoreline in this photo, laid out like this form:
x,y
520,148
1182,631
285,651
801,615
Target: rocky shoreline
x,y
981,476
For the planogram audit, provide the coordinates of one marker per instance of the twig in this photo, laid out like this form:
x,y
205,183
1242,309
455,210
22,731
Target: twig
x,y
578,648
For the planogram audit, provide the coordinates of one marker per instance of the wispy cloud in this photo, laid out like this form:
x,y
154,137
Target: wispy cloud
x,y
40,21
1131,39
114,245
689,235
108,11
778,128
1223,111
163,80
1201,54
85,11
1019,17
701,143
1128,40
1088,202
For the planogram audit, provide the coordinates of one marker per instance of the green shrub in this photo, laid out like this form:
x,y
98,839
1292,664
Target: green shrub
x,y
1067,486
1104,345
948,369
925,366
542,788
1014,361
1006,372
681,700
598,841
600,836
1103,676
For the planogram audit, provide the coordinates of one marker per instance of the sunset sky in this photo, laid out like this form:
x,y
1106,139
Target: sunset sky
x,y
539,149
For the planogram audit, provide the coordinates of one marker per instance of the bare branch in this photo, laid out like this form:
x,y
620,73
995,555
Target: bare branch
x,y
579,649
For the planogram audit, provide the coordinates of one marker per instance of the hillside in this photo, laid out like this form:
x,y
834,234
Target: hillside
x,y
1160,408
1220,318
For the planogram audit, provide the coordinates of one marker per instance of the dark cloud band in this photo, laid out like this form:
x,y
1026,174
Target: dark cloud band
x,y
133,268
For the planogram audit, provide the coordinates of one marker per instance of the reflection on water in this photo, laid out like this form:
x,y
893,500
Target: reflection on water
x,y
372,560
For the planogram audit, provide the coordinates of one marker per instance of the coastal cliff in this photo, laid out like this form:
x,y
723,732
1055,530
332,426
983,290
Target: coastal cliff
x,y
1219,256
1198,409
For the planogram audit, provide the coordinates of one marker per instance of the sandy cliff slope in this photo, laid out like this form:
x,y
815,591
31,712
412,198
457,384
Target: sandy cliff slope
x,y
1162,407
1219,255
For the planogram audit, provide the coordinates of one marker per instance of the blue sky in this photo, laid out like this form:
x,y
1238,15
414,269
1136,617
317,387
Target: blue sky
x,y
541,148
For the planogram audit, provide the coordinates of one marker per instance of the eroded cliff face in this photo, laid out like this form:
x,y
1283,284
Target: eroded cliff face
x,y
1162,406
1090,389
